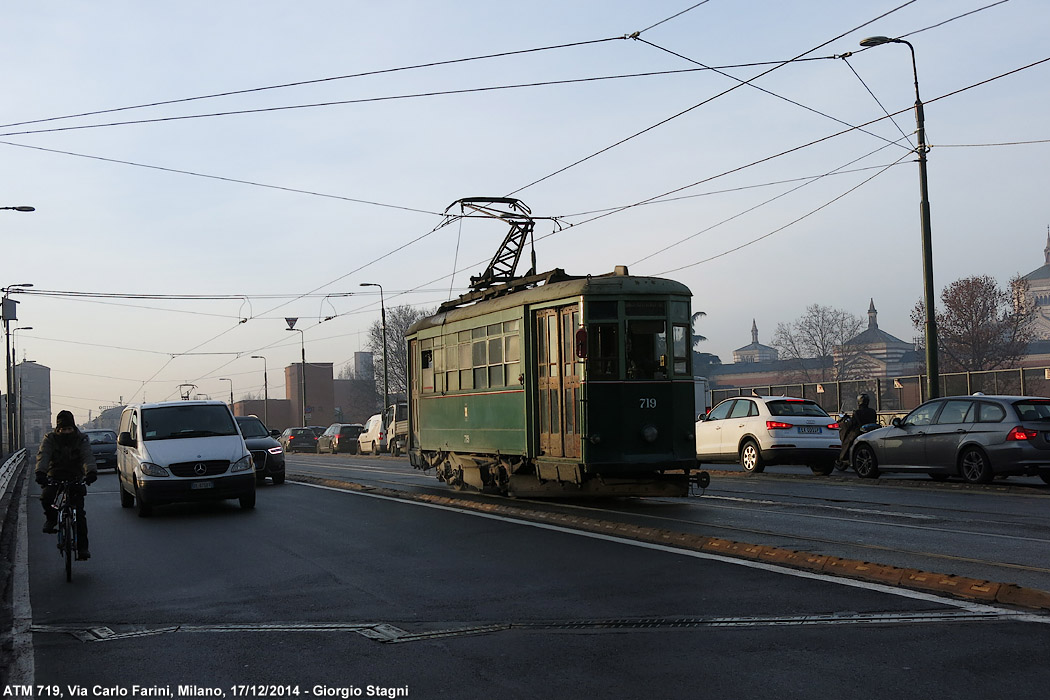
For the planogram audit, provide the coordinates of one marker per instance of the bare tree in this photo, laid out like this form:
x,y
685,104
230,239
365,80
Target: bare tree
x,y
981,327
348,371
808,344
398,321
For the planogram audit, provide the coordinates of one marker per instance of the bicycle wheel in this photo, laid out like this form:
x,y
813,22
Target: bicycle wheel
x,y
68,539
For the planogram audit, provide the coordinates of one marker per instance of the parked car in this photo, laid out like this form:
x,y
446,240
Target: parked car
x,y
372,439
298,440
104,447
340,437
267,453
758,431
975,437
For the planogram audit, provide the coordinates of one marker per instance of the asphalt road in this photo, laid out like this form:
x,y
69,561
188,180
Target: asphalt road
x,y
327,593
997,532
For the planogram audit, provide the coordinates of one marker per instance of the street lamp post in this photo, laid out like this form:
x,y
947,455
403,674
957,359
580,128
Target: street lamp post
x,y
932,369
9,314
302,339
224,379
266,392
386,365
18,434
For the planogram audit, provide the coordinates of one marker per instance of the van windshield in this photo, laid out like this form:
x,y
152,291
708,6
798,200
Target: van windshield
x,y
173,422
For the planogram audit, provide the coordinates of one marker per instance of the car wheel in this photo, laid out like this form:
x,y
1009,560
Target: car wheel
x,y
395,449
975,467
127,500
865,463
824,468
278,479
247,501
751,458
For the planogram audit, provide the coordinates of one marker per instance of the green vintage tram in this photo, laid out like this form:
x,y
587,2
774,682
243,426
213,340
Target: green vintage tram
x,y
577,386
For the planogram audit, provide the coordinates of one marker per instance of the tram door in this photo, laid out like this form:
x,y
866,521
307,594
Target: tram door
x,y
559,372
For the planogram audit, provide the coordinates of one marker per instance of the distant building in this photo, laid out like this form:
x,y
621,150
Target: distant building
x,y
355,400
875,353
33,396
364,366
320,401
1039,293
756,351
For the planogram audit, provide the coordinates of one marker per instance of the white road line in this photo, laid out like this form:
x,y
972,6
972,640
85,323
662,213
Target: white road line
x,y
23,669
881,588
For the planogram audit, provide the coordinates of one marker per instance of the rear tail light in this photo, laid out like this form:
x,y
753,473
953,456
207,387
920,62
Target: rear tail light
x,y
1020,433
777,425
833,426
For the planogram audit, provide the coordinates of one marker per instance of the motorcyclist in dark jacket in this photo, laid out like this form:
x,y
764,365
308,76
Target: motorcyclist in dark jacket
x,y
65,455
864,415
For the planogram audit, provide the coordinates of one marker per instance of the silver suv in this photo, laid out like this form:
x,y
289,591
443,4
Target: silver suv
x,y
757,431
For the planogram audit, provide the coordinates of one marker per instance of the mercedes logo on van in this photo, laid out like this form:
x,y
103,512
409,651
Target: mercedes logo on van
x,y
200,468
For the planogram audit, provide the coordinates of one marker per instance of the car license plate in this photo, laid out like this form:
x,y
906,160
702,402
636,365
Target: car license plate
x,y
809,429
202,485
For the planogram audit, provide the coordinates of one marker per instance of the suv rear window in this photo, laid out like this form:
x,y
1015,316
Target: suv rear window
x,y
795,408
350,430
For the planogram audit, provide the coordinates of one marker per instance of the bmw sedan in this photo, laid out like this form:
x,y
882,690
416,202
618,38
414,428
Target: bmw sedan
x,y
974,437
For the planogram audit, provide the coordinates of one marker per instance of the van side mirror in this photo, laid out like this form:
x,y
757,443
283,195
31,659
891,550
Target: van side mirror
x,y
700,417
126,440
897,422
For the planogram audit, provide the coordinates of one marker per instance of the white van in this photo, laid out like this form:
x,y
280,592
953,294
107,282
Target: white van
x,y
182,451
372,439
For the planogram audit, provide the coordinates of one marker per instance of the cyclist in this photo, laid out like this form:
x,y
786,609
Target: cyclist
x,y
65,455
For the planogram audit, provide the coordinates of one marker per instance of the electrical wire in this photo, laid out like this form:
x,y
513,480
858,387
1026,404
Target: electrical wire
x,y
703,102
785,226
299,83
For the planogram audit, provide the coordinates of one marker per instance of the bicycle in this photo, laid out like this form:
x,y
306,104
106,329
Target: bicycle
x,y
67,522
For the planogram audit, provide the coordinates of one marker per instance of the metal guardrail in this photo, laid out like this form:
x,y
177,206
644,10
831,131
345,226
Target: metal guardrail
x,y
901,394
9,469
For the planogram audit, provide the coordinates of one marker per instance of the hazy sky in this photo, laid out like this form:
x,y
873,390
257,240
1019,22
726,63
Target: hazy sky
x,y
358,171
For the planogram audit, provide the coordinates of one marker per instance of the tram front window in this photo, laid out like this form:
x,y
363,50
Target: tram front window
x,y
646,349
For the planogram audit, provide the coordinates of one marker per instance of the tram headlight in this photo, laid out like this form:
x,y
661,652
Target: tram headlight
x,y
650,433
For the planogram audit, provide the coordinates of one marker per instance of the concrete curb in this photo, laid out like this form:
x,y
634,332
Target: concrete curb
x,y
926,581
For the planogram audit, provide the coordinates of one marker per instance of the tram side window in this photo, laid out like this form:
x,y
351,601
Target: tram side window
x,y
426,358
682,335
602,351
646,349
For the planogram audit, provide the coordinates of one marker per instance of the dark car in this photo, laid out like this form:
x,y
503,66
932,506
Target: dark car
x,y
104,447
975,437
340,437
267,453
298,440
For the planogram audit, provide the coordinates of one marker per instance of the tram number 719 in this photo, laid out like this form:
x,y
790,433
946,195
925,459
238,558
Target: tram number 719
x,y
646,403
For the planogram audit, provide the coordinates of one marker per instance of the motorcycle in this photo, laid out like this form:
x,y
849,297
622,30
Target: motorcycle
x,y
845,421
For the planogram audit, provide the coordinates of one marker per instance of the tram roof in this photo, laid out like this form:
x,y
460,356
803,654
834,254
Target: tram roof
x,y
612,284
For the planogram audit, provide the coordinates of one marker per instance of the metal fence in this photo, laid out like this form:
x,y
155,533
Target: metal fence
x,y
901,394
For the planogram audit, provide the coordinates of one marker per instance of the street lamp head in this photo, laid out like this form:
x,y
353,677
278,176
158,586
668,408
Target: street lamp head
x,y
877,41
258,357
20,208
369,284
